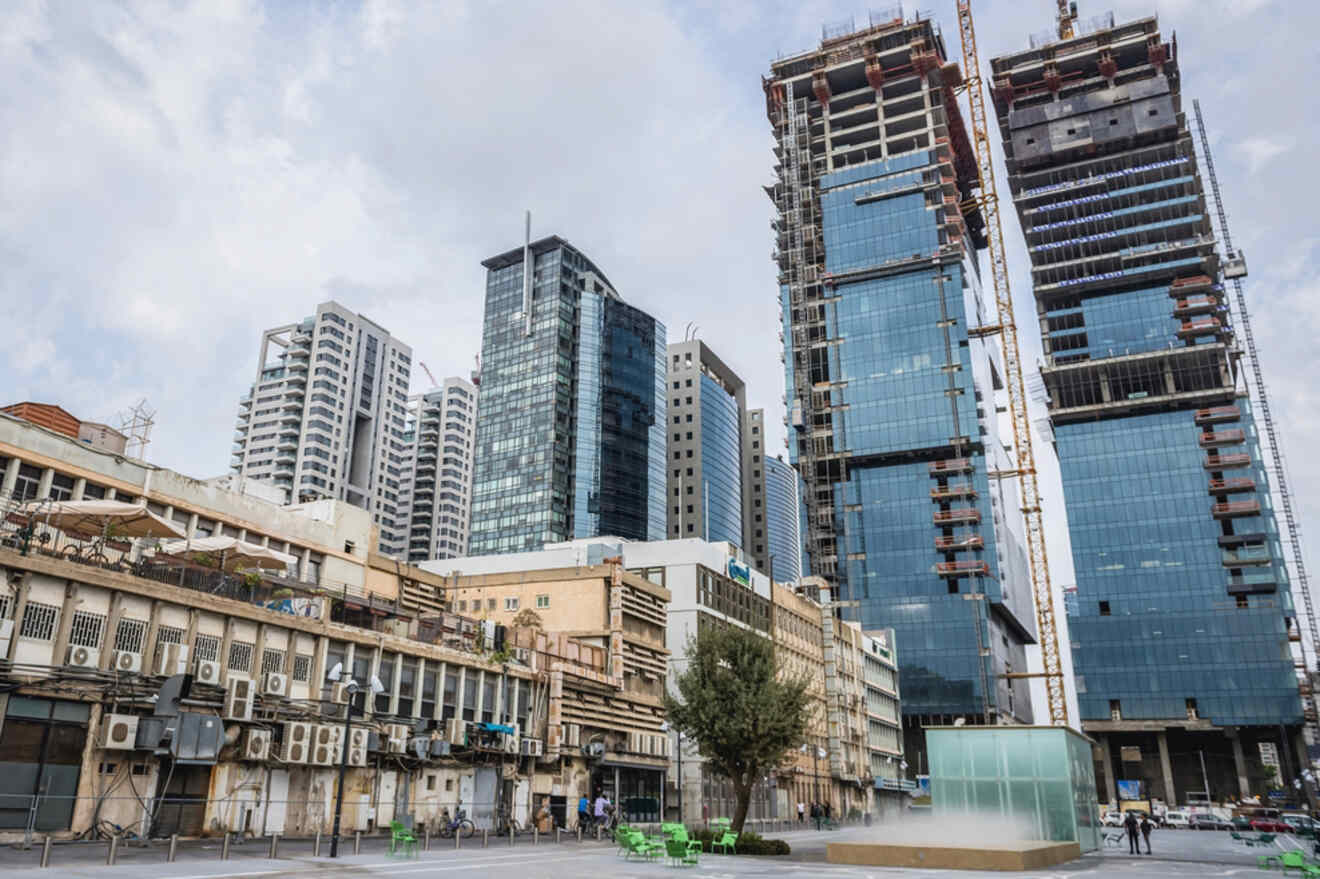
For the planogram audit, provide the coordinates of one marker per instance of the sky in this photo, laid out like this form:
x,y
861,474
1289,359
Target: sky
x,y
176,177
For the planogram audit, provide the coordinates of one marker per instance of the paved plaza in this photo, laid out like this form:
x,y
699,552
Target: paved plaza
x,y
1178,854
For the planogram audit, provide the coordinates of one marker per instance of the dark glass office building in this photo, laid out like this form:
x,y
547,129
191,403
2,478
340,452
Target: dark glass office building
x,y
571,419
1181,618
892,395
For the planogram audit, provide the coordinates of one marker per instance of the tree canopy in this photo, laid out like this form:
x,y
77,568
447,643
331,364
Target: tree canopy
x,y
743,710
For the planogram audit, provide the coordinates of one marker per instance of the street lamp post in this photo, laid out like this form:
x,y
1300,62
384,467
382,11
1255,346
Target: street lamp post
x,y
679,750
335,674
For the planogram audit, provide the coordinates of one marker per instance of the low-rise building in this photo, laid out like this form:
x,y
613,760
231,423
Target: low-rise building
x,y
186,698
854,727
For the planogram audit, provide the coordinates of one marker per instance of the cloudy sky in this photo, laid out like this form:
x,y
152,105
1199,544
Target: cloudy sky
x,y
174,177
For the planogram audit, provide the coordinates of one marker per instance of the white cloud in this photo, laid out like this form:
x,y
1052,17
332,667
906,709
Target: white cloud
x,y
1258,151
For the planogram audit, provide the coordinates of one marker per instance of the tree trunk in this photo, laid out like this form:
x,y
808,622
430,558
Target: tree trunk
x,y
743,791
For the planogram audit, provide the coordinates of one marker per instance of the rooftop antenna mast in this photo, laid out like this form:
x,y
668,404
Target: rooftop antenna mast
x,y
136,425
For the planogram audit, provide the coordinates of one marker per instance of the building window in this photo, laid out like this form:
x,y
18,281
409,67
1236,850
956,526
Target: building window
x,y
272,661
240,656
39,621
490,604
542,601
130,635
86,629
1104,608
302,668
207,648
511,602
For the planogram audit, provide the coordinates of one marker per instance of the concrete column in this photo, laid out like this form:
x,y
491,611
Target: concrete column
x,y
440,690
190,636
370,704
226,641
316,677
419,684
111,629
459,690
11,477
192,526
1240,763
71,603
149,640
258,649
1107,761
21,590
79,488
43,487
1170,797
111,493
304,563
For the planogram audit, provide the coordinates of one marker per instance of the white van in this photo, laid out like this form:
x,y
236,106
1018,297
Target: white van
x,y
1176,820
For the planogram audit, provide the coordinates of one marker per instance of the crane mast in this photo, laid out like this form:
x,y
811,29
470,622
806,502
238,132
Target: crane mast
x,y
1026,462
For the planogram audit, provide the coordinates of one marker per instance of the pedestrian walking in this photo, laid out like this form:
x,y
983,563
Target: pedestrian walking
x,y
1131,825
802,812
827,813
584,811
602,804
1146,828
816,814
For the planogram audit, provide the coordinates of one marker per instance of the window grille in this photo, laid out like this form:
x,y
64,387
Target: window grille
x,y
272,661
240,656
86,629
168,635
302,668
130,635
39,621
6,606
207,648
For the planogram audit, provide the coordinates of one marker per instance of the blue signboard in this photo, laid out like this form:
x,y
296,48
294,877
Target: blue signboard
x,y
1129,790
740,572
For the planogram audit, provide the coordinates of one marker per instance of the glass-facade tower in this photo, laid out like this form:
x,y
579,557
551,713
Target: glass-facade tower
x,y
571,420
891,391
783,536
1181,616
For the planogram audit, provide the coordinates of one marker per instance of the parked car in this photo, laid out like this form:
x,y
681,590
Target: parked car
x,y
1299,823
1176,820
1206,821
1241,822
1270,825
1113,819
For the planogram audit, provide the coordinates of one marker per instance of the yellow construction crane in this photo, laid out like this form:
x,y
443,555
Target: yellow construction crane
x,y
1026,461
1067,15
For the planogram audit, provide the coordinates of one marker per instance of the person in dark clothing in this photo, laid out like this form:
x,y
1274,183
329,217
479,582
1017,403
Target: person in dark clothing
x,y
1146,828
1131,825
815,814
827,811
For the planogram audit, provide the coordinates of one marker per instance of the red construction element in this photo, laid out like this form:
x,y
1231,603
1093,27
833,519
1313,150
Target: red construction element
x,y
1235,509
1003,93
1194,305
875,73
820,86
954,544
1187,284
1215,439
1227,462
1217,414
774,98
1052,80
965,514
1228,486
1156,52
949,492
924,60
968,568
951,465
1108,66
1200,327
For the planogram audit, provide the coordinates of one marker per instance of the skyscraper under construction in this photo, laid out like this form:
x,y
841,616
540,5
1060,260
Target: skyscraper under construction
x,y
1182,615
892,382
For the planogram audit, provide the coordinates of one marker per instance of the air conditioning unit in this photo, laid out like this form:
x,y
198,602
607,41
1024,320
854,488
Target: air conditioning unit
x,y
296,746
84,657
440,748
171,659
532,748
357,746
396,735
523,655
419,747
275,684
594,749
256,744
339,694
325,745
119,732
239,696
511,743
456,732
128,662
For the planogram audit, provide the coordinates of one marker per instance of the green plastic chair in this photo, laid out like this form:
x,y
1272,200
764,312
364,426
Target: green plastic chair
x,y
679,853
638,844
402,841
728,843
679,833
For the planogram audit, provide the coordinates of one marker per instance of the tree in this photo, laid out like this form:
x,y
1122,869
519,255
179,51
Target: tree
x,y
743,710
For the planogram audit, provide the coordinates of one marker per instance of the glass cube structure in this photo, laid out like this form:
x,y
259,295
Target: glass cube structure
x,y
1040,780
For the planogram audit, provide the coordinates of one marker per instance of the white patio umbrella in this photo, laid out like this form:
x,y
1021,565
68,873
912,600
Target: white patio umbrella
x,y
233,553
101,518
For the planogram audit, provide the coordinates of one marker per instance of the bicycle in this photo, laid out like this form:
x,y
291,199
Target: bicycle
x,y
504,823
109,830
460,825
